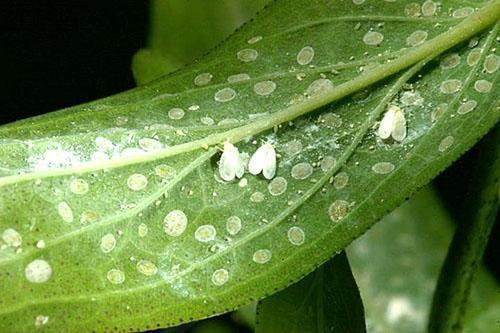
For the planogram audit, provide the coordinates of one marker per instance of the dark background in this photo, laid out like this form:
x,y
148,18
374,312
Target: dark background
x,y
55,54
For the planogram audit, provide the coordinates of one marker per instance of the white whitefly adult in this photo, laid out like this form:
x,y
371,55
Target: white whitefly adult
x,y
230,163
263,160
393,124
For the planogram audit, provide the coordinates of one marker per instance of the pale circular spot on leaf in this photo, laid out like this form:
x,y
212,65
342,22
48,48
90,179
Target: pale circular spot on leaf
x,y
137,182
203,79
467,107
305,56
302,170
373,38
220,277
175,223
115,276
205,233
108,243
247,55
277,186
225,95
38,271
341,180
296,236
146,267
264,88
338,210
417,38
446,143
450,86
383,168
483,86
233,225
262,256
79,186
176,113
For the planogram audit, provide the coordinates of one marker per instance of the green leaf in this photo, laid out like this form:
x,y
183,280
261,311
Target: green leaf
x,y
181,32
469,242
396,265
151,278
327,300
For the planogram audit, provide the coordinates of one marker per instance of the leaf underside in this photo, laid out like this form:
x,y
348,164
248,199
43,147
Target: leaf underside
x,y
47,161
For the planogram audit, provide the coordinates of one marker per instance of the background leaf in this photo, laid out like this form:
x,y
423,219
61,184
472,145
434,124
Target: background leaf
x,y
112,265
327,300
469,242
181,32
396,265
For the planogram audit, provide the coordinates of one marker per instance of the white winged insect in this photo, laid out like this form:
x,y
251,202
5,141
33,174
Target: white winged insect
x,y
263,160
393,124
230,163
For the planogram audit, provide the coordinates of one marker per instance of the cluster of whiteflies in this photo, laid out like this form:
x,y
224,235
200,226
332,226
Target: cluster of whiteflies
x,y
262,161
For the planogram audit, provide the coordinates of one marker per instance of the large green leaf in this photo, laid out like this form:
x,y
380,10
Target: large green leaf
x,y
327,300
150,278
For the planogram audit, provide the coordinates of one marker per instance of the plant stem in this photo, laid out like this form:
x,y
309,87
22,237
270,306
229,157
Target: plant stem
x,y
482,19
470,239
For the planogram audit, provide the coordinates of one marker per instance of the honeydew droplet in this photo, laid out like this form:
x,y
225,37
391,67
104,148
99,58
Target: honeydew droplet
x,y
220,277
79,186
203,79
176,113
467,107
142,230
474,56
416,38
257,197
149,144
233,225
482,86
247,55
38,271
450,61
305,56
262,256
327,163
65,211
277,186
205,233
175,223
103,143
40,244
146,267
137,182
254,40
373,38
41,320
319,86
429,8
12,238
446,143
264,88
338,210
225,95
383,168
296,236
108,243
450,86
491,63
302,170
341,180
463,12
165,171
115,276
238,78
